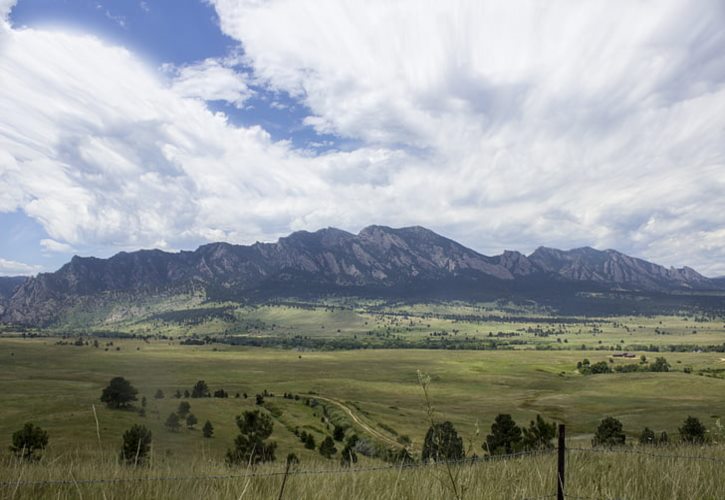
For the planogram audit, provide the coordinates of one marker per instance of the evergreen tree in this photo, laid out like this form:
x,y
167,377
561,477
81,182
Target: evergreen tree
x,y
338,433
609,433
183,409
119,393
505,437
327,447
310,442
250,445
539,434
136,445
207,430
692,431
173,422
191,421
28,441
200,390
159,394
442,443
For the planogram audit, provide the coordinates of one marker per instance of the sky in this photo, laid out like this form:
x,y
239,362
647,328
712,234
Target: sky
x,y
503,125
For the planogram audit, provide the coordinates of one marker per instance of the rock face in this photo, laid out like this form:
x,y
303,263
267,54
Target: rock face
x,y
377,260
617,270
8,286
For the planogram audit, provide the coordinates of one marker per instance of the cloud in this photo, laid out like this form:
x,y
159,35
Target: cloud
x,y
501,125
210,80
13,268
556,124
55,246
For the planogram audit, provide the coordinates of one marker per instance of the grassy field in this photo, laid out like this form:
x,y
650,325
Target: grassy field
x,y
56,386
54,378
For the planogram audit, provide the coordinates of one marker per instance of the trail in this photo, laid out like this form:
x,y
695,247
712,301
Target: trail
x,y
359,422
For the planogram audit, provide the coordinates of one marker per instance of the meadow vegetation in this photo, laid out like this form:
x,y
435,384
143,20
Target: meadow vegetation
x,y
179,392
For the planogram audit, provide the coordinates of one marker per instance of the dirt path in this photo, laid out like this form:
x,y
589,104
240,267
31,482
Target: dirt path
x,y
359,422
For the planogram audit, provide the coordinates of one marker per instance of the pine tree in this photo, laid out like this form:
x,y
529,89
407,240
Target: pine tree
x,y
208,429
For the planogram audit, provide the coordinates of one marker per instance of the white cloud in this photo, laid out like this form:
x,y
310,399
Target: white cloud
x,y
210,80
55,246
556,124
13,268
499,124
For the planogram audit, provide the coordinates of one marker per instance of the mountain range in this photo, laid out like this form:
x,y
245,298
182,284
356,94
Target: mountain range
x,y
405,263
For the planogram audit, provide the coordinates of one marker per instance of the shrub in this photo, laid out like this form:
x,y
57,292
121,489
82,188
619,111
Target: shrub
x,y
173,423
27,441
208,429
660,365
191,421
648,436
609,433
327,447
539,434
250,445
310,442
692,431
338,434
183,409
136,445
442,443
348,455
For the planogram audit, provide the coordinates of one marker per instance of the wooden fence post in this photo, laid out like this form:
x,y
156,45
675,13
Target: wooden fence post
x,y
561,463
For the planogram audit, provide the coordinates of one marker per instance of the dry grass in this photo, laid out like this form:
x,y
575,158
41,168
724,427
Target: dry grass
x,y
593,475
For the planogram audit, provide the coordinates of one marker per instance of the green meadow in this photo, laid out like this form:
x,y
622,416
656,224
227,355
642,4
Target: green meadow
x,y
524,363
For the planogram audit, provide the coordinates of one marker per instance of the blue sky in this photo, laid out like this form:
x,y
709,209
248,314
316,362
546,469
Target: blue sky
x,y
169,124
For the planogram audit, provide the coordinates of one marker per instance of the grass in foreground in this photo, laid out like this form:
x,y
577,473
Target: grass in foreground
x,y
672,473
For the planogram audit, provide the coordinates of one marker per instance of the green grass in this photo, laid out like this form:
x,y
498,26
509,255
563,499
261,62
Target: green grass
x,y
373,392
55,386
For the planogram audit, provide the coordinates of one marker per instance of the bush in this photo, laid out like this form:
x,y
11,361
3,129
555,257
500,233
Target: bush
x,y
505,437
250,446
327,447
191,421
27,441
338,434
136,445
600,367
648,436
183,409
660,365
539,434
692,431
119,393
173,423
310,442
609,433
207,430
348,456
442,443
